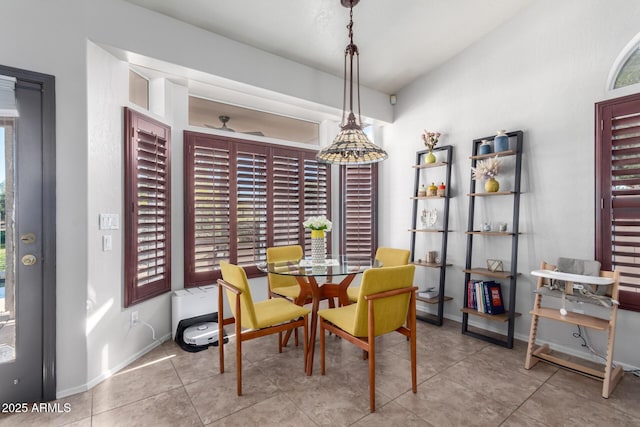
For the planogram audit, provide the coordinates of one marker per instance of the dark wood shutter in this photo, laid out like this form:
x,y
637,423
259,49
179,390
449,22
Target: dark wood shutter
x,y
287,198
251,207
316,194
358,211
242,197
618,193
147,208
207,208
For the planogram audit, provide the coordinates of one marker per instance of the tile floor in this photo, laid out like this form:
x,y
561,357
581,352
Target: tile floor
x,y
462,381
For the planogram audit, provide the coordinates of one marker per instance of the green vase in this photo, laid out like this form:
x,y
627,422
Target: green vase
x,y
491,186
430,158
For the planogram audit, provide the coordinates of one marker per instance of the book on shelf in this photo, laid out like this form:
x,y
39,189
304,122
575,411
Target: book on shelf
x,y
429,293
495,303
485,296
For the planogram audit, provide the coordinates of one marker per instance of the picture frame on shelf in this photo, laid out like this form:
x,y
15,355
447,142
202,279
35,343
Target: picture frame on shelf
x,y
495,265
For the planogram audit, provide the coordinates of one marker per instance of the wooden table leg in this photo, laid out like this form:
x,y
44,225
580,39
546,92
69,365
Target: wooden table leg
x,y
315,303
318,293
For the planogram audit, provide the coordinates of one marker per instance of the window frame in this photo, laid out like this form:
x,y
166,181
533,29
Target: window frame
x,y
136,127
293,233
348,184
606,111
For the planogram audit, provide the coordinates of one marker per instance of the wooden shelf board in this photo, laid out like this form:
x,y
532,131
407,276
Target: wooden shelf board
x,y
488,273
495,193
429,165
490,233
490,155
426,197
431,265
573,318
425,230
496,317
434,300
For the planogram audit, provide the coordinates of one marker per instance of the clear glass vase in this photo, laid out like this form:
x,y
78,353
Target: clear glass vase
x,y
318,247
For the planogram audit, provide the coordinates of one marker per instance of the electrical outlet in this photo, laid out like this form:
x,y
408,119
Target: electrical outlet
x,y
134,318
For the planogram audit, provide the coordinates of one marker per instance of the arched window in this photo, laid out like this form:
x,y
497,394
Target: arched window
x,y
626,69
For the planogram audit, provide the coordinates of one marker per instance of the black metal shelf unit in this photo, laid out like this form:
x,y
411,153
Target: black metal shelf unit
x,y
447,152
515,142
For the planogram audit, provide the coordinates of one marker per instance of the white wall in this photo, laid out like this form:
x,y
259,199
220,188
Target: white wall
x,y
541,73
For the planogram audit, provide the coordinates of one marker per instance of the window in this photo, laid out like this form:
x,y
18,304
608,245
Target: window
x,y
618,193
232,118
147,208
138,90
630,72
358,210
242,197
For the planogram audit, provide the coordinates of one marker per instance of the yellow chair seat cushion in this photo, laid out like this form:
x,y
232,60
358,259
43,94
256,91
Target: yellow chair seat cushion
x,y
277,310
287,291
342,317
353,292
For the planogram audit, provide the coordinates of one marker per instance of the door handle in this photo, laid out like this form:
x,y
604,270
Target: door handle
x,y
29,260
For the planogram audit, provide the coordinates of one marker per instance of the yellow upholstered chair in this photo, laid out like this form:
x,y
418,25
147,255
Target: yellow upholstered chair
x,y
386,301
390,257
258,319
280,285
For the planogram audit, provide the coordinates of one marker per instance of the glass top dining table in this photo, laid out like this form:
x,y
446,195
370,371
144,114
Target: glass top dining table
x,y
308,274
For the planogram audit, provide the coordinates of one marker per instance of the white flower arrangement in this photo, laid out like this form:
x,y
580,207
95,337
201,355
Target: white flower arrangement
x,y
430,139
317,223
486,169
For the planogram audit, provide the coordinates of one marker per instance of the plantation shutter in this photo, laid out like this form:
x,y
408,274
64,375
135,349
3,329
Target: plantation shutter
x,y
316,194
251,209
241,197
359,209
618,191
207,222
148,208
287,201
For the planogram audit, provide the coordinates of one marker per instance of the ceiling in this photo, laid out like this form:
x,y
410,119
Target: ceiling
x,y
398,40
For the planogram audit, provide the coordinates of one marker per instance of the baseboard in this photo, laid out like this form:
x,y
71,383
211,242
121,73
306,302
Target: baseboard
x,y
106,374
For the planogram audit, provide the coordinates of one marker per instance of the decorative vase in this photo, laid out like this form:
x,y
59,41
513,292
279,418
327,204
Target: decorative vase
x,y
491,185
485,148
318,247
501,141
430,157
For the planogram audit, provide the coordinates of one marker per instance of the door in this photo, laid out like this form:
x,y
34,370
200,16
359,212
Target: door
x,y
27,241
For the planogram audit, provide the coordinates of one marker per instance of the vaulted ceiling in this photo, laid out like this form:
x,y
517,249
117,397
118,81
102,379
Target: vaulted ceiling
x,y
398,40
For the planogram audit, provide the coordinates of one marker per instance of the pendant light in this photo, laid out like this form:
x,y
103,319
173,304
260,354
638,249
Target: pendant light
x,y
351,145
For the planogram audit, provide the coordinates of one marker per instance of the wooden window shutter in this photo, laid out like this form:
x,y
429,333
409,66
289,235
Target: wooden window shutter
x,y
250,215
618,193
358,212
147,208
287,200
241,197
207,208
316,193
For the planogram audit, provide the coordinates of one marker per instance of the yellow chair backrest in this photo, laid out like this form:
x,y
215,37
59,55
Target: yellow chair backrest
x,y
236,276
283,254
391,257
389,313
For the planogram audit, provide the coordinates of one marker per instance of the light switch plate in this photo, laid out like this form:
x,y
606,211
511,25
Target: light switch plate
x,y
107,242
109,222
